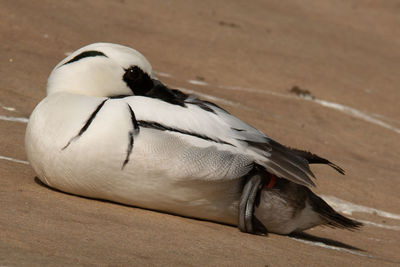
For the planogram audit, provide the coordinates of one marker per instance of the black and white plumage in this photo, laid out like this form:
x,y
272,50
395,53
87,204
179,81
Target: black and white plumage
x,y
109,129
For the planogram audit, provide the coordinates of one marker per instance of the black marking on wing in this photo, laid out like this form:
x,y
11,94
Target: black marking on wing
x,y
91,118
133,119
129,150
238,130
315,159
176,97
87,124
171,96
158,126
213,105
134,131
91,53
205,105
118,96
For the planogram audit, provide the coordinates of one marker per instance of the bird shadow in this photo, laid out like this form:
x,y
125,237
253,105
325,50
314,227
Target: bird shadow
x,y
300,235
325,241
40,183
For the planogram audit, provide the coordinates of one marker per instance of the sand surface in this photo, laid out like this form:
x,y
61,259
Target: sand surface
x,y
245,57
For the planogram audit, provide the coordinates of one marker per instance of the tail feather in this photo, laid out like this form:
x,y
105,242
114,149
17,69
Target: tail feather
x,y
315,159
327,212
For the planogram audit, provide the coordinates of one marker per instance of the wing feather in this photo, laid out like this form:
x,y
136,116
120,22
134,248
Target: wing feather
x,y
208,120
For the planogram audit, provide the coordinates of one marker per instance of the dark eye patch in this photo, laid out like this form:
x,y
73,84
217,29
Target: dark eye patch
x,y
137,80
91,53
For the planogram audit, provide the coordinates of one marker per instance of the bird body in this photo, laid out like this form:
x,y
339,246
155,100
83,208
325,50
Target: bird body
x,y
108,129
165,171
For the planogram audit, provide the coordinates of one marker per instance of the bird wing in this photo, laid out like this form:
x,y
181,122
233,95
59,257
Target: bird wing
x,y
207,122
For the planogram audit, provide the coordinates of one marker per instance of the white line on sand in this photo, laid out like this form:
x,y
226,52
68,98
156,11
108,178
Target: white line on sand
x,y
14,160
196,82
7,108
373,118
384,226
162,74
355,113
322,245
209,97
339,107
348,208
16,119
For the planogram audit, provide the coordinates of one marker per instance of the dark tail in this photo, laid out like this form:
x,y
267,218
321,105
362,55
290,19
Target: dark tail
x,y
327,212
314,159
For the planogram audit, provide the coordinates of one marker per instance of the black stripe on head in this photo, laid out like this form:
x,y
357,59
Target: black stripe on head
x,y
91,53
158,126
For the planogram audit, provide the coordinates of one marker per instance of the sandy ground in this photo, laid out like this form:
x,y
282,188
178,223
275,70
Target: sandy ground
x,y
246,57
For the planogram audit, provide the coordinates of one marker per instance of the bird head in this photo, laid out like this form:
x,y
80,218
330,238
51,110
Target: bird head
x,y
103,70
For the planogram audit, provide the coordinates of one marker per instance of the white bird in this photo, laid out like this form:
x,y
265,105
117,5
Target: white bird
x,y
108,129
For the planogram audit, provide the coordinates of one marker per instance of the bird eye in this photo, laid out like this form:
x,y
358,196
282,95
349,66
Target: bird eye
x,y
137,80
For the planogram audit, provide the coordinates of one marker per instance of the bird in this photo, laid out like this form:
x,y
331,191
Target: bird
x,y
109,129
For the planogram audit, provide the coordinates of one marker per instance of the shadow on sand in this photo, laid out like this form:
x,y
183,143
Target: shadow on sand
x,y
302,236
326,241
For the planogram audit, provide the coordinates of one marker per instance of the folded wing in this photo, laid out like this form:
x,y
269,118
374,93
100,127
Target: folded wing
x,y
204,120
